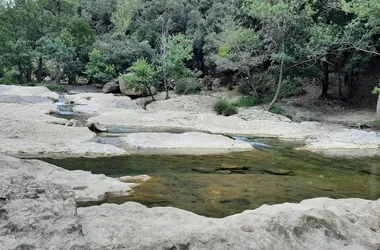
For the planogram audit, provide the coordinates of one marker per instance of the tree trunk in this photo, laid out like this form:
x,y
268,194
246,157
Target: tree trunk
x,y
21,71
279,84
378,107
58,74
39,70
340,77
29,73
325,81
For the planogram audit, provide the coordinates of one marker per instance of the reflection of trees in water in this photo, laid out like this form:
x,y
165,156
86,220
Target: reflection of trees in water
x,y
373,181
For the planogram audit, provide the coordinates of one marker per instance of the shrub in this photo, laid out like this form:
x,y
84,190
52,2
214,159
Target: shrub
x,y
247,101
57,88
291,87
11,78
223,107
97,68
375,124
188,86
278,111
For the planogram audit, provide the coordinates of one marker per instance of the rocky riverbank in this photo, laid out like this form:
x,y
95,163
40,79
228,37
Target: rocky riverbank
x,y
40,213
29,131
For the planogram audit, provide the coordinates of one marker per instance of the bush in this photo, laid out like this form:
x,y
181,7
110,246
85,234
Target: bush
x,y
291,87
375,124
222,107
11,78
278,111
57,88
247,101
188,86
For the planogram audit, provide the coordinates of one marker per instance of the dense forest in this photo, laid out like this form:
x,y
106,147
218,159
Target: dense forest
x,y
266,45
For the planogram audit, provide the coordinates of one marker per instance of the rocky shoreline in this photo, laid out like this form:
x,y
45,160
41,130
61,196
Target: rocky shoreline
x,y
38,200
29,131
41,214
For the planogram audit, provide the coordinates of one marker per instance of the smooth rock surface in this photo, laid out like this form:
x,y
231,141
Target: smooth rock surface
x,y
112,86
192,142
87,186
317,224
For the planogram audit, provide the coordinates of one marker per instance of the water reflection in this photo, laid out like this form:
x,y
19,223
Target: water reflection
x,y
198,184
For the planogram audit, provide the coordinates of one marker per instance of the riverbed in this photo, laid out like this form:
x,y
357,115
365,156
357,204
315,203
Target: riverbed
x,y
268,175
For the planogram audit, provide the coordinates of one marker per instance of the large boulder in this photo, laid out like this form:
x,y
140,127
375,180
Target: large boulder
x,y
36,215
133,92
112,86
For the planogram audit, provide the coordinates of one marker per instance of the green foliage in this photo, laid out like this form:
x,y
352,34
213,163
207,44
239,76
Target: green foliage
x,y
122,16
57,88
247,101
11,78
98,69
174,55
188,86
292,87
376,90
375,124
223,107
278,111
142,76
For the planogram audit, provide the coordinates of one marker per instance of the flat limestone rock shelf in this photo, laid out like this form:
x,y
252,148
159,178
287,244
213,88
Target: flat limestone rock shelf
x,y
186,143
87,186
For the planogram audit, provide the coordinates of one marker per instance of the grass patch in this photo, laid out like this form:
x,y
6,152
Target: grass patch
x,y
247,101
223,107
57,88
375,124
187,86
277,111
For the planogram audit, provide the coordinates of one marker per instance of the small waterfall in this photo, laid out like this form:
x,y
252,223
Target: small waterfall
x,y
252,143
62,107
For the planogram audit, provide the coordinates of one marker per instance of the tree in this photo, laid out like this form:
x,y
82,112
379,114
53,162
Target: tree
x,y
283,33
236,49
376,90
122,16
174,52
97,69
142,77
63,56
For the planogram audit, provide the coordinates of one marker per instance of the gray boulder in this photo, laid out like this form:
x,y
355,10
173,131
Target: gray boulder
x,y
112,86
133,92
38,216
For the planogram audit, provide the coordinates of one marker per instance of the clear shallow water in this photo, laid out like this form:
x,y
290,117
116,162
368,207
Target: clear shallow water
x,y
216,193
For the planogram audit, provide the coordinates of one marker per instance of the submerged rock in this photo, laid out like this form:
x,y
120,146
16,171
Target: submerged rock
x,y
232,167
278,171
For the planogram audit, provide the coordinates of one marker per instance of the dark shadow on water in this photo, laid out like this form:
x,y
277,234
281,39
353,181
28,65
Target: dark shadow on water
x,y
277,175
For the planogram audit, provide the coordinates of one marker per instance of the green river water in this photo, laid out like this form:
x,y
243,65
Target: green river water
x,y
216,193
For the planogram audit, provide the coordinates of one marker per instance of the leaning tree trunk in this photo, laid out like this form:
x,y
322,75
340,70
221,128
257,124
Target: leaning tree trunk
x,y
378,107
278,85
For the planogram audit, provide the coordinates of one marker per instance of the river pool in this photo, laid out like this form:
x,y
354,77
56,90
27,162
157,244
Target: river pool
x,y
271,175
